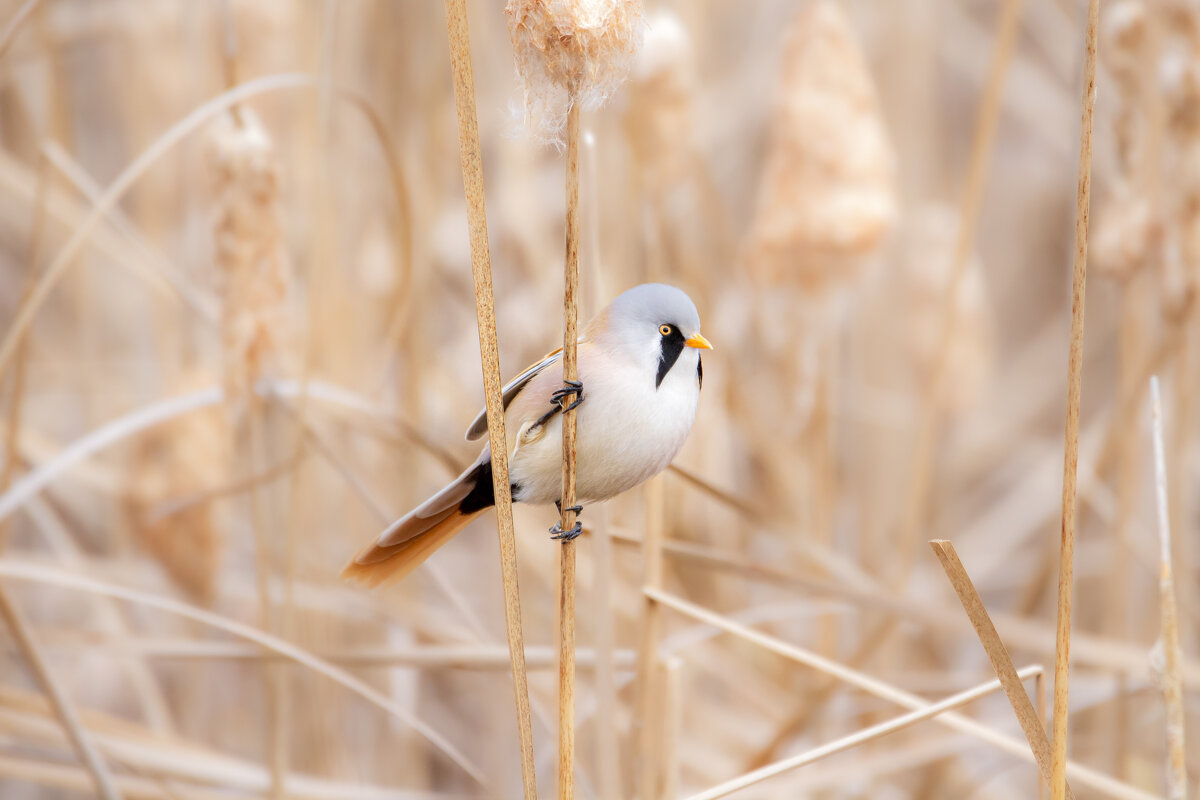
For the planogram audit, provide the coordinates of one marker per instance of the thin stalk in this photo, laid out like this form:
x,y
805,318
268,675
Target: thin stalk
x,y
1066,564
1172,672
472,166
1002,663
856,739
652,579
26,571
1082,775
102,780
566,594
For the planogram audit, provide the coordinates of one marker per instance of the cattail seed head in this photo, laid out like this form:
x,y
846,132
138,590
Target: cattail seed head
x,y
251,259
571,51
828,190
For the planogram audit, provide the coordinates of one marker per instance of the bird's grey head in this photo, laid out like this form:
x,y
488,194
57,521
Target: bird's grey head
x,y
657,325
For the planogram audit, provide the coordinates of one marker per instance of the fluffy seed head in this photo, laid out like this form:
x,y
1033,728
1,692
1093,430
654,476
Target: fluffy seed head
x,y
571,51
828,189
251,260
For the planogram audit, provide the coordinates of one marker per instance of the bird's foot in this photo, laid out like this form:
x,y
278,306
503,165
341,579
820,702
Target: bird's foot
x,y
558,534
570,389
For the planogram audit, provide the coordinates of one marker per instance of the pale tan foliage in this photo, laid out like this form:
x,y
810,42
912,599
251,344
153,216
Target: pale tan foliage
x,y
659,119
571,51
827,194
1128,230
918,281
251,261
172,465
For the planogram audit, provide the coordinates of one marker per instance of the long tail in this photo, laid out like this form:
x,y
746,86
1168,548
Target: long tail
x,y
413,538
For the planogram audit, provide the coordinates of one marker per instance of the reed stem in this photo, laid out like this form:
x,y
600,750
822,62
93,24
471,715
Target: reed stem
x,y
1066,566
481,265
566,597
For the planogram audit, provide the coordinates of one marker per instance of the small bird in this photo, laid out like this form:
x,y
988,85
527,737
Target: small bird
x,y
640,376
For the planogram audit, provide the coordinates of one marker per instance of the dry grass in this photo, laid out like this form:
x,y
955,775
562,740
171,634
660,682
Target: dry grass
x,y
872,205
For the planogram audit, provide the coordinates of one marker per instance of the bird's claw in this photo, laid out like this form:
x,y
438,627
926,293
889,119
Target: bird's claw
x,y
570,389
557,533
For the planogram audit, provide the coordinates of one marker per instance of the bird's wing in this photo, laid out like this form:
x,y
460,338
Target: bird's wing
x,y
479,426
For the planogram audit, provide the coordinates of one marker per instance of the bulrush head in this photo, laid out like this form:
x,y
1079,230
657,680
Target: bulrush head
x,y
251,260
571,51
827,195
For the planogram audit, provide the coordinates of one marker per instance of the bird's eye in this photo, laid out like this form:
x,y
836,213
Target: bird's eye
x,y
665,330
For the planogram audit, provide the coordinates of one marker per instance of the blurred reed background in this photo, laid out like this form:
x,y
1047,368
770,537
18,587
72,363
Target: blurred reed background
x,y
872,205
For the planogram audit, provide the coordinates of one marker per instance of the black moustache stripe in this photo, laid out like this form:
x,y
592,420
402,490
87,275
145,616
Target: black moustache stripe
x,y
672,346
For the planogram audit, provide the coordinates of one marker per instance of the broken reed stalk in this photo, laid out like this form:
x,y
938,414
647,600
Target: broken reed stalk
x,y
485,313
102,780
566,589
1172,671
1002,663
857,738
1066,567
1082,775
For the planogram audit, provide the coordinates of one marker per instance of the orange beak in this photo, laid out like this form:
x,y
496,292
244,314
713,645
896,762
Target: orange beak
x,y
699,342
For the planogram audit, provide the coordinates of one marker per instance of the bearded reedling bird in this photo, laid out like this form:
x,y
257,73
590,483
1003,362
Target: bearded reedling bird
x,y
640,374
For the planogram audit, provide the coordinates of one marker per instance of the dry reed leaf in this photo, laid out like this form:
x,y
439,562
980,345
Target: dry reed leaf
x,y
170,462
571,51
919,281
827,194
251,260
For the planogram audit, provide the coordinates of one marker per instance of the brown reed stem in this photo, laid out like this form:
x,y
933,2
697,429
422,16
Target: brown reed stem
x,y
1040,699
485,312
102,780
1172,671
1066,566
652,579
1002,663
566,597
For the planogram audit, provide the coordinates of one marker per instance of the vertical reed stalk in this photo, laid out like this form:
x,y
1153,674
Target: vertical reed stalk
x,y
1066,567
472,166
1040,700
652,557
566,619
1172,670
672,710
12,425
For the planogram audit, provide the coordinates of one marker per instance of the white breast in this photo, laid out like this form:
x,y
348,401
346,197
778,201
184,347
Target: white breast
x,y
629,430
